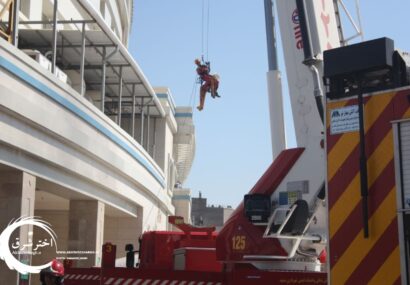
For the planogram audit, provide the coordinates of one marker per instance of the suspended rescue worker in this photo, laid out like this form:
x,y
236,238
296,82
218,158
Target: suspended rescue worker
x,y
210,83
53,275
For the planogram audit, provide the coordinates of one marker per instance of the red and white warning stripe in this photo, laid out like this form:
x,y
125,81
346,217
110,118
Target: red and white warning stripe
x,y
81,277
132,281
135,281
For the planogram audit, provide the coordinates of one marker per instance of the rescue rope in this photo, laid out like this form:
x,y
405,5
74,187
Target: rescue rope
x,y
205,29
207,34
202,27
192,98
193,92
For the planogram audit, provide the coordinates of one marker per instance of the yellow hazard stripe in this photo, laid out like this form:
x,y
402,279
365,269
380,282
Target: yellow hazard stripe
x,y
407,114
389,271
351,196
345,145
360,247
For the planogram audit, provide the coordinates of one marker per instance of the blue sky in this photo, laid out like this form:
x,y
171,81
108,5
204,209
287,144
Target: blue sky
x,y
233,133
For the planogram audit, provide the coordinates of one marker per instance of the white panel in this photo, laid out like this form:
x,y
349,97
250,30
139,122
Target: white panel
x,y
323,25
308,125
305,116
405,160
277,124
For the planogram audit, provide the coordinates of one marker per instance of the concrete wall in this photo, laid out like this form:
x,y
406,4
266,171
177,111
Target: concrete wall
x,y
182,203
115,12
17,194
205,215
149,141
121,231
72,148
32,9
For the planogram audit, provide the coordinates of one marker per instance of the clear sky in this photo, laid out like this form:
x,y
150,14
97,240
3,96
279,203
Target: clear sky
x,y
233,132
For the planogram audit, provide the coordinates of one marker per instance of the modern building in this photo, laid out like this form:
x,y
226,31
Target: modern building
x,y
206,215
86,142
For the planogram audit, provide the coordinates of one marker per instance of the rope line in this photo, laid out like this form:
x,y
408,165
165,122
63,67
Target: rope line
x,y
205,30
203,27
207,33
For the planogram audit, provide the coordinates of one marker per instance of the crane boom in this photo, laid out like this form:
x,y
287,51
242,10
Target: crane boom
x,y
324,34
274,81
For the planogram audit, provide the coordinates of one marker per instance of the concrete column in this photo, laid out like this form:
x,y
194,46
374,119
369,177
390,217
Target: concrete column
x,y
140,220
17,193
182,203
59,223
121,231
86,231
160,143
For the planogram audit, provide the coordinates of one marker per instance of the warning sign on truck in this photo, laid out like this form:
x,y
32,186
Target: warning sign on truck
x,y
343,120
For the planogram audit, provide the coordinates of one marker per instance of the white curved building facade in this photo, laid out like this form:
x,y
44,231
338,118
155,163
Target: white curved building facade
x,y
86,143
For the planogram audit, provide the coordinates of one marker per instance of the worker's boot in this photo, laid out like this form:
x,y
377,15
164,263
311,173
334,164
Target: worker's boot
x,y
214,93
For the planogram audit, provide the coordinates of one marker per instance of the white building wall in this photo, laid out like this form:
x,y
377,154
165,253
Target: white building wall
x,y
116,24
121,231
32,9
116,13
149,136
155,219
159,155
96,4
182,202
102,161
161,130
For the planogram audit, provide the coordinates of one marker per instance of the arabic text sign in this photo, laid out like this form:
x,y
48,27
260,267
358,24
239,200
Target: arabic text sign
x,y
343,120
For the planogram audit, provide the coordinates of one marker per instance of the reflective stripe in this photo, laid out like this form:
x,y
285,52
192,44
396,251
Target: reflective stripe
x,y
108,282
118,282
128,281
137,282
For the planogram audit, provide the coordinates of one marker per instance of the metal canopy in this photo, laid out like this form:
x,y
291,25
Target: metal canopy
x,y
97,45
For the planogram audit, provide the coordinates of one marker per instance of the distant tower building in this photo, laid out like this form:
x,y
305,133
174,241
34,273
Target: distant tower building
x,y
204,215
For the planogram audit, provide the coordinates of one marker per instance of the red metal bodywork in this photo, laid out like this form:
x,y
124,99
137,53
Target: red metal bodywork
x,y
197,259
238,227
158,247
